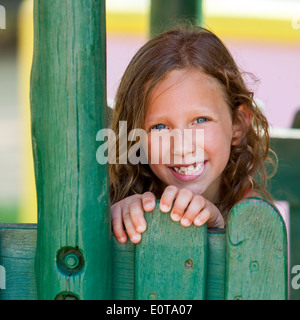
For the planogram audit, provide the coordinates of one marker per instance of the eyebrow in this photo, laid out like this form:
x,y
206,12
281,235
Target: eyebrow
x,y
154,120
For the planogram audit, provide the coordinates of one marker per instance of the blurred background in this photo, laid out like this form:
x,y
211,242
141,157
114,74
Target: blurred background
x,y
262,35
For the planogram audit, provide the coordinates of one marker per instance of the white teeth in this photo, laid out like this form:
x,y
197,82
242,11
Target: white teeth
x,y
189,170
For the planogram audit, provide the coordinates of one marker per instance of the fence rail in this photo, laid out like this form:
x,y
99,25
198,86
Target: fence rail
x,y
248,261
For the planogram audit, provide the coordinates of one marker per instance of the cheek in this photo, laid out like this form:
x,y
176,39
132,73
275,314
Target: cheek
x,y
217,143
158,150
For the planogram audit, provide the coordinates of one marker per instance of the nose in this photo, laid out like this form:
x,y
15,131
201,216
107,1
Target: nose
x,y
187,145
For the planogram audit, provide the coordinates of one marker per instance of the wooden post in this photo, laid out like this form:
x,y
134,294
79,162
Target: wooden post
x,y
68,97
284,186
256,252
166,14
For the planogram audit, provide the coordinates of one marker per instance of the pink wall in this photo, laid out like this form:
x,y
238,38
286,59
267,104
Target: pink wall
x,y
277,66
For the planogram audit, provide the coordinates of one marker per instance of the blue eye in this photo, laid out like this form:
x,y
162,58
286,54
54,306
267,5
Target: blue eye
x,y
201,120
159,127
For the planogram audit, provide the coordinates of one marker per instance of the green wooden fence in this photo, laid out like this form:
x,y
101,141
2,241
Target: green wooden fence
x,y
285,186
71,253
249,261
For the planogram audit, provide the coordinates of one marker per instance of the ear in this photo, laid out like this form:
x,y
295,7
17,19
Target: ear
x,y
241,123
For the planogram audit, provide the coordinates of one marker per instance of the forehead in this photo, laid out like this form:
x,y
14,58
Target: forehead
x,y
184,89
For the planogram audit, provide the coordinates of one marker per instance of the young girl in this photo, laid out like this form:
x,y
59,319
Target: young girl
x,y
186,79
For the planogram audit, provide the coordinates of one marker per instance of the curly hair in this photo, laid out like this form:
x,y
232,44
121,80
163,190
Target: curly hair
x,y
197,48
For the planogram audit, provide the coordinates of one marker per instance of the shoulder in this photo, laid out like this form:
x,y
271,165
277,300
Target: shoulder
x,y
251,194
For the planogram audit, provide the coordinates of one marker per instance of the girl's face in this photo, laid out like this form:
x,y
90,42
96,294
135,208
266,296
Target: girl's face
x,y
189,99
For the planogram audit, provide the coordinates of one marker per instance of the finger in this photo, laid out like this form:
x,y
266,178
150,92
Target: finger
x,y
196,205
167,198
216,222
203,217
182,201
136,211
148,200
134,236
117,223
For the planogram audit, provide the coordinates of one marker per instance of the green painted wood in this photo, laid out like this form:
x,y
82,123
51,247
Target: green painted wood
x,y
170,260
285,186
18,246
68,98
17,255
122,270
294,246
256,252
248,262
169,13
215,281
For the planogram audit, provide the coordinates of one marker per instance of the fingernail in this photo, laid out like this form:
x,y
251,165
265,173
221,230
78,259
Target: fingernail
x,y
175,217
164,208
185,222
136,238
148,206
197,222
122,239
140,229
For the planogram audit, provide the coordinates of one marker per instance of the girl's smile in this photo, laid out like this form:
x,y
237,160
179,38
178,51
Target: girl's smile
x,y
188,99
188,172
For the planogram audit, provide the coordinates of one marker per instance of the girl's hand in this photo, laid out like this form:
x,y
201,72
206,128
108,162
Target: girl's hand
x,y
189,208
130,211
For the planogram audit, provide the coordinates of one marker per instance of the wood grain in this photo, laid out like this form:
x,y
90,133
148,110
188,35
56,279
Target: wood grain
x,y
68,99
256,252
249,261
17,256
285,186
170,261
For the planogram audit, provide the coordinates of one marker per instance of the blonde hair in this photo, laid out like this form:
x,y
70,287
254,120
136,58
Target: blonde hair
x,y
197,48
